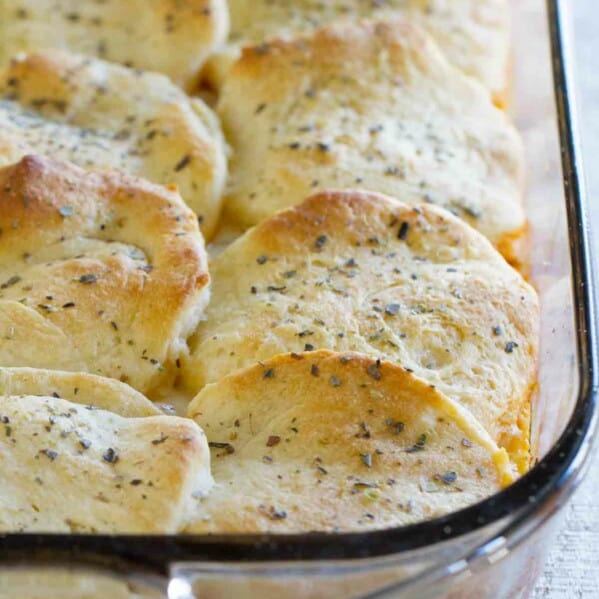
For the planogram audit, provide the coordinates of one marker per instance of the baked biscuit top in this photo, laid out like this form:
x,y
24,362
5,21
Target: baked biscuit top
x,y
356,271
173,37
68,464
100,273
103,116
474,34
372,106
337,442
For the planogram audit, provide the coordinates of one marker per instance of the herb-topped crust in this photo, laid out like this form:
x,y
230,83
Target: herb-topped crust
x,y
102,273
338,442
173,37
351,271
369,106
78,387
81,454
103,116
474,34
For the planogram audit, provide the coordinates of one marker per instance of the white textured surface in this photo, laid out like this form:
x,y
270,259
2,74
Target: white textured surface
x,y
572,570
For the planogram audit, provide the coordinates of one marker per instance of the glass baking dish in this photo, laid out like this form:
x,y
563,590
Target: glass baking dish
x,y
493,549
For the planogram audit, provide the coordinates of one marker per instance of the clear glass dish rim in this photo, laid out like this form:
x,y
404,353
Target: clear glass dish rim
x,y
552,478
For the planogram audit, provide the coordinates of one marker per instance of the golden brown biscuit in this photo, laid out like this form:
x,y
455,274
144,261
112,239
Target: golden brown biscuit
x,y
107,117
173,37
372,106
77,387
338,442
474,34
351,271
103,273
72,467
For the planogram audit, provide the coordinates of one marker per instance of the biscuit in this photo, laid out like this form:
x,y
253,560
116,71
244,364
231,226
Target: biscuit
x,y
338,442
372,106
173,37
69,466
352,271
101,273
104,116
77,387
473,34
